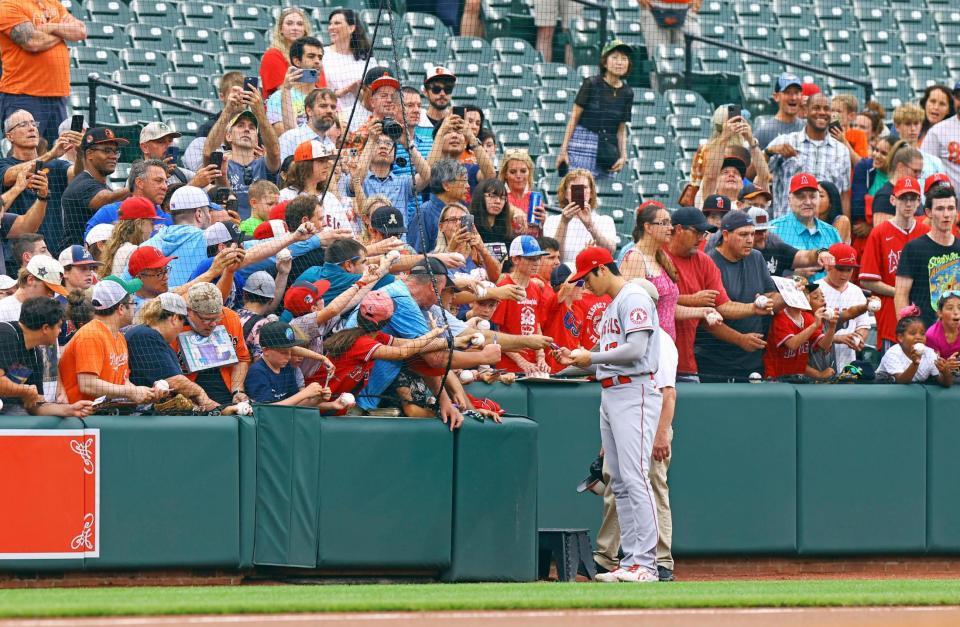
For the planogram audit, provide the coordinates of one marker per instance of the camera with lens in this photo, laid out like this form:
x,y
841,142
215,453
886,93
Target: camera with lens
x,y
392,129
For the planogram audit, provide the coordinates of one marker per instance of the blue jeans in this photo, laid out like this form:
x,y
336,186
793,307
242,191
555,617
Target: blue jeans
x,y
48,112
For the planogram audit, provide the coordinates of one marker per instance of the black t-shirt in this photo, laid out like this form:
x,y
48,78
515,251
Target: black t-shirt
x,y
151,358
881,200
212,383
52,226
19,364
604,108
76,206
934,269
778,254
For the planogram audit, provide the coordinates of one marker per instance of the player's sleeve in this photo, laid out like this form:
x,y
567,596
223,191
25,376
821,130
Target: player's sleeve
x,y
870,261
666,375
635,314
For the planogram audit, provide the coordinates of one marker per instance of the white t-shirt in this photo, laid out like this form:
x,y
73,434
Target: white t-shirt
x,y
937,143
895,361
10,309
578,237
666,375
340,70
336,215
852,296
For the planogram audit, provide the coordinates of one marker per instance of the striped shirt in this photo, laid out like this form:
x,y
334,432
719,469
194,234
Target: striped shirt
x,y
827,160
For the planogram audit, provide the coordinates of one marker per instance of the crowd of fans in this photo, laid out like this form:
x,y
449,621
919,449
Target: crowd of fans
x,y
335,237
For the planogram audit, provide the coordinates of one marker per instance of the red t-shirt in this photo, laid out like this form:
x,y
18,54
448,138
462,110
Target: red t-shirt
x,y
574,326
879,262
694,273
353,367
779,360
521,318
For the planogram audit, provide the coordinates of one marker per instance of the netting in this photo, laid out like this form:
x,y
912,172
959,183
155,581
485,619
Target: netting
x,y
191,176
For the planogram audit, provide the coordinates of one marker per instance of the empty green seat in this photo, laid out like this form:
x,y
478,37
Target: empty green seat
x,y
471,49
196,62
243,40
249,16
198,39
150,60
150,37
106,36
156,13
205,14
102,60
108,11
515,50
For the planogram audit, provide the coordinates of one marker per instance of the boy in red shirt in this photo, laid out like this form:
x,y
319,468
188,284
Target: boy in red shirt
x,y
524,317
794,333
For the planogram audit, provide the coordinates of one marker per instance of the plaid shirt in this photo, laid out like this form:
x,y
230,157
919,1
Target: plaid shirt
x,y
827,160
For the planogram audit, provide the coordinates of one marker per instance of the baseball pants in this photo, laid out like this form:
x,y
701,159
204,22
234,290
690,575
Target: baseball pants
x,y
629,415
608,537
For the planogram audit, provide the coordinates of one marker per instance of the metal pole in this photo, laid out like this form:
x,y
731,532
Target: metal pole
x,y
92,80
687,60
603,28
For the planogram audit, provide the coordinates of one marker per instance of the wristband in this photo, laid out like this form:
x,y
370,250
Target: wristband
x,y
43,198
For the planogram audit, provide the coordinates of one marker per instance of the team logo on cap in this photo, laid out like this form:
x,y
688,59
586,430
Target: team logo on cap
x,y
108,133
288,333
308,299
720,203
804,180
393,219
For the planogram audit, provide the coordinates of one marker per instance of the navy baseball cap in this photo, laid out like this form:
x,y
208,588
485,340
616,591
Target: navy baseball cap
x,y
388,220
76,255
692,217
715,203
785,80
735,220
956,87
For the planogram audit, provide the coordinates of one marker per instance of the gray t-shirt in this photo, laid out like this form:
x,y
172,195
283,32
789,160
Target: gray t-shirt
x,y
743,280
773,127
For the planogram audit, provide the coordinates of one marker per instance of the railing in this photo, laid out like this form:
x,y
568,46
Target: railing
x,y
688,62
94,81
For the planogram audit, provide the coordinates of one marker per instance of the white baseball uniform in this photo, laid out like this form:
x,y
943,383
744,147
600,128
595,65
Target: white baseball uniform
x,y
629,415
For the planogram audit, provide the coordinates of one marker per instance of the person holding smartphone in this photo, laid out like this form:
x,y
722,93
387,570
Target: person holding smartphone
x,y
579,225
286,108
459,235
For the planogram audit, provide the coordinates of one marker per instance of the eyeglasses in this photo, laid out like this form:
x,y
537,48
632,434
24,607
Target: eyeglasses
x,y
662,222
456,219
445,88
155,275
107,151
214,319
24,124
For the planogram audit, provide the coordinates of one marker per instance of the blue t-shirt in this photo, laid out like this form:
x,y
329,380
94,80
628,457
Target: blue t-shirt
x,y
242,177
263,385
429,215
110,213
151,358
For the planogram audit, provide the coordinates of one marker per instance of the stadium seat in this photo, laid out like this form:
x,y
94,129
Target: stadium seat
x,y
238,62
132,109
526,140
690,102
472,49
758,36
476,96
874,17
203,14
914,20
106,114
425,24
507,119
684,122
720,60
389,21
426,47
663,191
882,64
194,62
802,38
882,41
198,39
553,141
242,40
147,60
946,16
155,13
141,79
550,95
644,98
249,16
845,63
842,40
717,12
919,61
835,16
106,36
514,74
413,70
549,120
794,15
646,120
921,42
517,97
950,38
182,85
108,11
753,12
187,126
120,174
515,51
102,60
587,71
556,75
78,78
75,9
150,37
669,60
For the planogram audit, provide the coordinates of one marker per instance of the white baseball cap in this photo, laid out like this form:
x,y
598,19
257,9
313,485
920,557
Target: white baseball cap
x,y
48,270
99,233
7,282
261,283
108,293
188,197
174,303
156,130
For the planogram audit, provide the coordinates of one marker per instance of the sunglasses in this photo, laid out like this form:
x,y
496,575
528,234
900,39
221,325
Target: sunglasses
x,y
247,176
445,88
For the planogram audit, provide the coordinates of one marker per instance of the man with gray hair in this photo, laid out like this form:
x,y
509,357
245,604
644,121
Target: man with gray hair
x,y
147,179
448,184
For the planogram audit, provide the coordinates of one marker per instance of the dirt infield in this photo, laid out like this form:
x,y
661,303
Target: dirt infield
x,y
822,617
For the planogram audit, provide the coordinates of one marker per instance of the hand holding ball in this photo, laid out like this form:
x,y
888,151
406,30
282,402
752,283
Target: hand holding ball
x,y
393,256
161,385
467,376
713,318
919,348
284,254
477,339
347,400
483,325
244,409
873,305
761,302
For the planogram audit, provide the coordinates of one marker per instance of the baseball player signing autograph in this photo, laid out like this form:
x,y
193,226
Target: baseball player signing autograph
x,y
624,361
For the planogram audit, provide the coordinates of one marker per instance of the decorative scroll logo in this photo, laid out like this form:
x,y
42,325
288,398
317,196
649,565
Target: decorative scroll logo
x,y
83,539
84,450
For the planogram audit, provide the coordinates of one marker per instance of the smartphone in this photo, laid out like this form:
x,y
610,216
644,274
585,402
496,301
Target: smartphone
x,y
835,121
309,76
466,222
461,112
498,250
231,204
76,123
733,111
36,166
216,158
580,283
251,83
220,195
173,152
578,194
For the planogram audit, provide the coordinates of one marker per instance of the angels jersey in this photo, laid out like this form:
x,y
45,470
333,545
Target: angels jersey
x,y
631,311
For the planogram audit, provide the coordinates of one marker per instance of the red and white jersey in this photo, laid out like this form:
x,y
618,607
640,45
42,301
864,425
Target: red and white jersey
x,y
631,311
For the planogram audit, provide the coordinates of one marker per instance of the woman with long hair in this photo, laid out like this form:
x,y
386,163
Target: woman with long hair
x,y
344,61
516,173
291,25
830,210
937,105
309,175
454,237
496,220
579,226
126,237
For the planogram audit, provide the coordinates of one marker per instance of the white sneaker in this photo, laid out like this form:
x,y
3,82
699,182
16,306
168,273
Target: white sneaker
x,y
636,574
609,576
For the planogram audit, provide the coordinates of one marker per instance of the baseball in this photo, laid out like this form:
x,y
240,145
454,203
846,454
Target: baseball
x,y
483,325
755,377
481,292
1,405
393,255
762,302
919,348
714,318
832,314
284,254
467,376
477,339
244,408
347,400
162,385
484,367
873,305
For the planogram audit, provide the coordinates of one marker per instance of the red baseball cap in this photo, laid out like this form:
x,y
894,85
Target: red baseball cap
x,y
146,258
809,89
137,207
270,228
588,259
934,179
802,181
906,185
278,211
656,204
300,299
845,255
376,306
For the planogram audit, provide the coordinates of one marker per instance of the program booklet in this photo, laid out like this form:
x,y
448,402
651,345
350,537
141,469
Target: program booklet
x,y
213,351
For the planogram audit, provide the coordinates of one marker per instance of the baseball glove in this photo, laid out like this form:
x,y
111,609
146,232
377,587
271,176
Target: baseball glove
x,y
178,404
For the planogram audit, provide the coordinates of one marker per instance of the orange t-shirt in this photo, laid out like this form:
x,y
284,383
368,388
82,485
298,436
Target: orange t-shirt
x,y
858,140
44,73
231,322
94,349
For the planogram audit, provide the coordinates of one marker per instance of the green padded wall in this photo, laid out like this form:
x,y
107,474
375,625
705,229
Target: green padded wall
x,y
733,474
169,491
386,493
512,398
495,502
248,487
862,469
943,470
288,475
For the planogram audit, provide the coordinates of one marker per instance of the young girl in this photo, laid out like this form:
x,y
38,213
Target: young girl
x,y
906,364
944,335
794,335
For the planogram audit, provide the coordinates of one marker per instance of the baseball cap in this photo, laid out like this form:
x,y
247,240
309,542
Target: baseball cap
x,y
76,255
270,229
716,204
48,270
656,204
693,218
147,258
750,191
188,197
809,89
438,72
384,80
7,282
802,181
278,211
760,217
616,44
785,80
156,130
588,259
433,266
956,87
109,292
525,246
300,299
376,307
205,299
388,220
246,113
312,149
260,283
223,232
136,208
733,161
559,275
173,303
279,334
844,255
735,220
940,178
100,135
99,233
906,185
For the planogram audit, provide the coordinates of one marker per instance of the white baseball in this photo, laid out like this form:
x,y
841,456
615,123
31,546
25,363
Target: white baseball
x,y
832,314
481,292
477,339
575,353
162,385
713,318
919,348
467,376
762,302
284,254
244,408
873,305
1,405
755,377
483,325
487,285
347,399
393,255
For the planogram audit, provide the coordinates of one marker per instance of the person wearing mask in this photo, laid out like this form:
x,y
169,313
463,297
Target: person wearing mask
x,y
286,108
344,60
292,24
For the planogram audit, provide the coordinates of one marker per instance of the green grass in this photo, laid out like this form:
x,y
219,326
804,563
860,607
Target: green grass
x,y
437,597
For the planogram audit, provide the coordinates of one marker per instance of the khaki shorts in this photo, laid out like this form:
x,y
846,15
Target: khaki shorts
x,y
548,11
